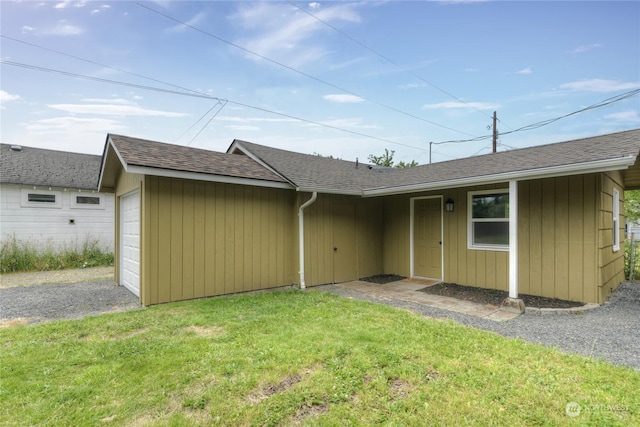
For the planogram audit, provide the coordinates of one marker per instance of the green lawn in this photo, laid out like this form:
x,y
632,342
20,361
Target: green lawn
x,y
296,358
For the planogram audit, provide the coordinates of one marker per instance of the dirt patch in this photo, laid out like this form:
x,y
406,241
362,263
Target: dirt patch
x,y
381,279
272,389
493,296
206,331
304,413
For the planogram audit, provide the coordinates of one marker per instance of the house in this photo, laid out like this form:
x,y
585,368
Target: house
x,y
50,199
544,220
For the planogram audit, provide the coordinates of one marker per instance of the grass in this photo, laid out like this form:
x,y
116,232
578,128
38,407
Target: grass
x,y
16,255
296,358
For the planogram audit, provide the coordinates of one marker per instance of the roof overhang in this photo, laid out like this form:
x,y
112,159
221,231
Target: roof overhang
x,y
606,165
112,161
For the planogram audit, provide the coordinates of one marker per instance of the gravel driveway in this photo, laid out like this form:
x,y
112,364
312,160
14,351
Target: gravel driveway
x,y
41,302
610,332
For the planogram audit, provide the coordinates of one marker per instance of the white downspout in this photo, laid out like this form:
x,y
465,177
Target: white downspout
x,y
313,198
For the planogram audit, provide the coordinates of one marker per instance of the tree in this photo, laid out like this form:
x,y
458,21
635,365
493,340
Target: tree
x,y
632,205
386,160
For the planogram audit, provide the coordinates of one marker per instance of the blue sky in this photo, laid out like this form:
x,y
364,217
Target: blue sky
x,y
362,76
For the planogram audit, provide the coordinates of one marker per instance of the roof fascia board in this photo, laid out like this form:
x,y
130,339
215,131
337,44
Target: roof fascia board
x,y
105,155
329,191
169,173
548,172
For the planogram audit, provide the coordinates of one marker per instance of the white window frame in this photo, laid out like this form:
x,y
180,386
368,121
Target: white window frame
x,y
471,221
616,220
76,205
25,203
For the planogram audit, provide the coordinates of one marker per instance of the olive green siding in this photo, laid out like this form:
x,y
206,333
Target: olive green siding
x,y
203,239
565,243
557,238
610,262
485,269
319,223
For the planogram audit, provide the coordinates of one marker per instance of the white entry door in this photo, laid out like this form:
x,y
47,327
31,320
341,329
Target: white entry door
x,y
130,242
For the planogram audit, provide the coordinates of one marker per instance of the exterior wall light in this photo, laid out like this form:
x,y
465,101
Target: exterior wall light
x,y
448,205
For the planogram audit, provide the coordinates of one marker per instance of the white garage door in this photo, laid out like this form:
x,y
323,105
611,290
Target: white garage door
x,y
130,242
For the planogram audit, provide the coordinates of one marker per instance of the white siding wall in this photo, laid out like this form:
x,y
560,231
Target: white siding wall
x,y
51,225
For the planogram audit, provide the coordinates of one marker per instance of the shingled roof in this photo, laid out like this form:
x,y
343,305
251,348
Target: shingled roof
x,y
150,154
314,173
49,168
563,158
263,165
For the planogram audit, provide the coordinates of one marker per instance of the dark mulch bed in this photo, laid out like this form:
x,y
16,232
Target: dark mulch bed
x,y
381,279
494,297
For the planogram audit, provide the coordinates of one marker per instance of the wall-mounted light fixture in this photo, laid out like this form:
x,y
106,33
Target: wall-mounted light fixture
x,y
448,205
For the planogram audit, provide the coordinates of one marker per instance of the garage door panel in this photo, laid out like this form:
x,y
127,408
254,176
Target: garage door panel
x,y
130,242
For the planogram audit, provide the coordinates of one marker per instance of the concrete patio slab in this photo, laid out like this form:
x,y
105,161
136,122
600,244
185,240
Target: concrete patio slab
x,y
409,291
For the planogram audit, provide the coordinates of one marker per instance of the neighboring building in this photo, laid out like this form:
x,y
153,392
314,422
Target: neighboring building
x,y
544,220
50,199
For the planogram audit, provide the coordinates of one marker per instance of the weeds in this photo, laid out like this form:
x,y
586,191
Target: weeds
x,y
16,255
632,260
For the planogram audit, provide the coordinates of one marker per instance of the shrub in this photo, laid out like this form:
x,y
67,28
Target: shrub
x,y
628,256
18,255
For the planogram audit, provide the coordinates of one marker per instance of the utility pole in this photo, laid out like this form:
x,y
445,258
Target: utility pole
x,y
495,132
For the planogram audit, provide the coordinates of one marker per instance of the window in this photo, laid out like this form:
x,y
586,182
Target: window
x,y
488,220
616,220
37,198
87,200
41,198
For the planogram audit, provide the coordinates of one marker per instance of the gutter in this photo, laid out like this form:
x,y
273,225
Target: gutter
x,y
306,204
552,171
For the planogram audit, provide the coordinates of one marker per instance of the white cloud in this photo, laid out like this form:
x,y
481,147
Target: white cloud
x,y
193,22
458,105
586,48
28,29
68,3
113,110
352,123
243,127
65,29
314,5
63,5
74,124
600,85
527,70
343,98
7,97
625,116
281,32
253,119
119,101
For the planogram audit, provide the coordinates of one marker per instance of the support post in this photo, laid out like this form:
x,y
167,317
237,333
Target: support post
x,y
513,303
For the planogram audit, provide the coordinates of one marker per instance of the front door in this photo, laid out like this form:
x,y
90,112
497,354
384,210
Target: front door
x,y
427,238
345,266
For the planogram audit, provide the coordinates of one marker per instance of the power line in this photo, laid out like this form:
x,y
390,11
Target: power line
x,y
96,63
209,121
542,123
302,73
195,94
375,52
